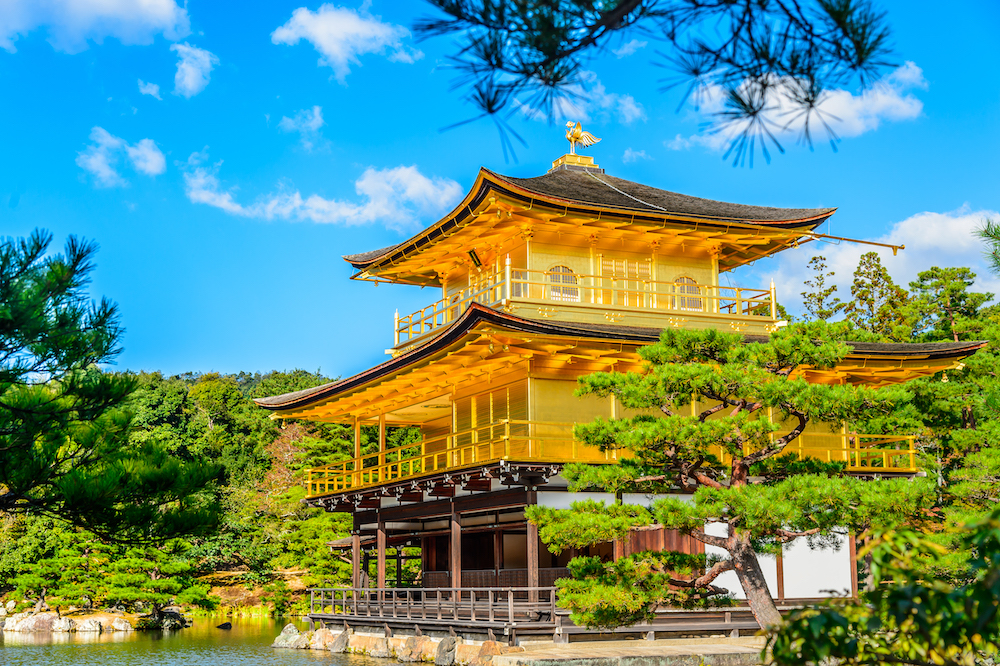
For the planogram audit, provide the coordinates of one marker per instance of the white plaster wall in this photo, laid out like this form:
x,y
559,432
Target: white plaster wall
x,y
563,500
816,573
729,580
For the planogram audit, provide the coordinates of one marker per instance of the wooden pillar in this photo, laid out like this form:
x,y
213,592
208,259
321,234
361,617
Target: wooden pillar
x,y
497,553
380,545
381,440
399,566
853,541
532,553
356,560
456,548
357,437
780,570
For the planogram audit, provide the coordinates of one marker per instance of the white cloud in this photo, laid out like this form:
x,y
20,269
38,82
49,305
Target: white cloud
x,y
147,158
587,101
396,197
106,151
341,35
71,23
194,69
931,239
634,155
307,123
629,48
149,89
849,115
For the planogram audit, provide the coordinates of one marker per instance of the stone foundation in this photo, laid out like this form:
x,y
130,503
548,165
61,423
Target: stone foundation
x,y
406,649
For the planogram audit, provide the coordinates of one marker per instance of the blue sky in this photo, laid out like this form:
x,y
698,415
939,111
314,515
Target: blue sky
x,y
225,155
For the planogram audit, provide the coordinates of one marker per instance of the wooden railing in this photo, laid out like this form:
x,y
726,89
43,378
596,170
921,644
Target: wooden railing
x,y
465,605
523,441
531,441
618,293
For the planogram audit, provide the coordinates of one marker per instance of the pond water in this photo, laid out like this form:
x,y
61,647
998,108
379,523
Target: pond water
x,y
246,644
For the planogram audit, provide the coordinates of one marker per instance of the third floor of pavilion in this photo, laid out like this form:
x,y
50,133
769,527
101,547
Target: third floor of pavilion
x,y
579,245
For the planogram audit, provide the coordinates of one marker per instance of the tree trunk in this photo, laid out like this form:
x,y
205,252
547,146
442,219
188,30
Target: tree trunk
x,y
754,585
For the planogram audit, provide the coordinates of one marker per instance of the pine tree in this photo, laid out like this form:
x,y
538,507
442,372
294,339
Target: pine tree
x,y
942,306
820,301
149,578
878,304
63,426
529,54
749,408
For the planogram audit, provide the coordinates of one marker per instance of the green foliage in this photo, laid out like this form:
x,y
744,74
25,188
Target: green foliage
x,y
585,523
628,591
941,305
149,578
878,304
725,413
64,428
907,618
279,595
819,301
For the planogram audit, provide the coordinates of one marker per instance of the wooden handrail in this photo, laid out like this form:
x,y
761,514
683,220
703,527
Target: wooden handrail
x,y
519,440
509,283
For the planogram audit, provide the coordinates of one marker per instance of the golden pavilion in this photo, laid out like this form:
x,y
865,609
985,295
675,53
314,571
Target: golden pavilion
x,y
543,280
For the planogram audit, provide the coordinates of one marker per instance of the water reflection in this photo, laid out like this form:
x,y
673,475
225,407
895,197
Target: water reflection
x,y
246,644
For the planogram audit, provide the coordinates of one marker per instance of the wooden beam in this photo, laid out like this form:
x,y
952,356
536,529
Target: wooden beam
x,y
356,560
455,548
381,546
532,553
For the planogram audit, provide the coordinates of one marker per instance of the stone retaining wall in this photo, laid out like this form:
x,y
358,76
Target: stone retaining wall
x,y
406,649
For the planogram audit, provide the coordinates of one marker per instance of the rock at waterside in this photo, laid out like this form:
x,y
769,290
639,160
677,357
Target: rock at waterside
x,y
173,624
487,651
3,621
446,651
63,624
11,605
89,625
339,644
29,622
121,624
291,638
322,639
3,611
415,649
380,649
225,625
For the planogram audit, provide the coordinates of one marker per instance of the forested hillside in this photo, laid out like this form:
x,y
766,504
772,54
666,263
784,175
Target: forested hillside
x,y
268,542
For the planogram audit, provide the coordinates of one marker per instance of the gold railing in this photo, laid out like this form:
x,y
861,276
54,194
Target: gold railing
x,y
638,292
528,441
517,284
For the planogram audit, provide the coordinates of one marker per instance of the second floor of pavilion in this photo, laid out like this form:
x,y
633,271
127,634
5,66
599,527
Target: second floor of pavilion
x,y
493,401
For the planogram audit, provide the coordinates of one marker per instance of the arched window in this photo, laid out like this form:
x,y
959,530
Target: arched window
x,y
684,287
562,281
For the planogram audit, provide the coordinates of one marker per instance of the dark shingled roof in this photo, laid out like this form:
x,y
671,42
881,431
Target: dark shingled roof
x,y
364,257
584,188
605,190
477,313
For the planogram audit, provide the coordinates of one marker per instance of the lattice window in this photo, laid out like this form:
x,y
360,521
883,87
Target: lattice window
x,y
685,286
563,285
625,282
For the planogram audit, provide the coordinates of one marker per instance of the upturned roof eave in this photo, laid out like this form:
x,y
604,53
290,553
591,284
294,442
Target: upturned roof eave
x,y
477,313
488,180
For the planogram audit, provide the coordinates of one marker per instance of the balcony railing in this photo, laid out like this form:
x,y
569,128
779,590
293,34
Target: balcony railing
x,y
522,441
562,289
544,442
467,606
